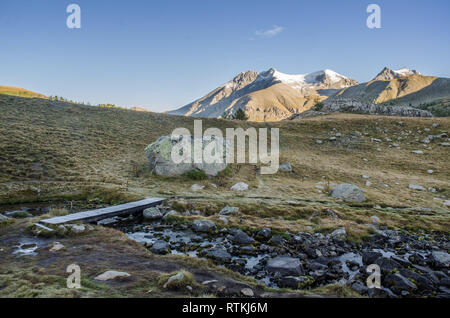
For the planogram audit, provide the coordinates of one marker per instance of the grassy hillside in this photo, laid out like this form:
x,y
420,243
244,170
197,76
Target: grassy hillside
x,y
21,92
60,150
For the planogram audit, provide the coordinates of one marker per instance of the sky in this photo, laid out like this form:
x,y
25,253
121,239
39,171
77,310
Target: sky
x,y
162,55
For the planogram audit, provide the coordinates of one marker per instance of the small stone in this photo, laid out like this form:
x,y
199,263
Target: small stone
x,y
224,219
375,220
78,229
175,278
341,232
364,176
240,186
110,275
417,187
417,152
264,233
228,210
446,203
247,292
168,214
56,247
319,142
285,167
430,171
197,187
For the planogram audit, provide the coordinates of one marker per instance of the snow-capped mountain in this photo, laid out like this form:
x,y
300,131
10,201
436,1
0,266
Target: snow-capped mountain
x,y
267,96
387,74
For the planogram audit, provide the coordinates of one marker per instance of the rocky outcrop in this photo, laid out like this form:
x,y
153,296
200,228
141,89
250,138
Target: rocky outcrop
x,y
348,105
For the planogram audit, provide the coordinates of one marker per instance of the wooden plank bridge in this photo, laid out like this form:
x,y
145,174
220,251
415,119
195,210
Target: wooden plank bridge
x,y
99,214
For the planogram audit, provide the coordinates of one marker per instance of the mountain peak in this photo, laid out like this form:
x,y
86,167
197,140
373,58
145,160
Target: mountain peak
x,y
387,74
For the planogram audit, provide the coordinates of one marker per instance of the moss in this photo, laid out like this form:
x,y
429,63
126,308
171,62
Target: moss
x,y
21,215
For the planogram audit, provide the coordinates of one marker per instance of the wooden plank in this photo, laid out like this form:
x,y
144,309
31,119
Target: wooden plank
x,y
103,213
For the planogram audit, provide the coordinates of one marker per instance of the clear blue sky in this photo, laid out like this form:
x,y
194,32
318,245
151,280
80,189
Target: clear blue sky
x,y
164,54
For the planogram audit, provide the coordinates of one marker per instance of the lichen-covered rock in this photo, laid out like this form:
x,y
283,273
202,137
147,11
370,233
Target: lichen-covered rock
x,y
110,275
159,155
152,214
348,193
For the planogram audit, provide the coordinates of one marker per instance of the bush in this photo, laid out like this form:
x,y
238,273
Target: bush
x,y
240,115
318,107
196,175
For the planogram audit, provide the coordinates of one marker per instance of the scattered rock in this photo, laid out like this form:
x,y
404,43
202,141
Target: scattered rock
x,y
285,167
247,292
108,221
152,214
375,220
241,237
398,283
285,266
341,232
229,210
77,229
197,187
348,192
110,275
446,203
240,186
220,255
440,259
417,187
178,277
264,233
56,246
204,226
369,257
417,152
160,247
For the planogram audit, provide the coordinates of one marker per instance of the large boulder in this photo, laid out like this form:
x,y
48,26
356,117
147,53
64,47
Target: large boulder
x,y
220,255
285,266
348,192
241,237
152,214
159,155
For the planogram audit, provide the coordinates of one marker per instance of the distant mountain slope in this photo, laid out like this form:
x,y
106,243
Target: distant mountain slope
x,y
21,92
267,96
403,87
